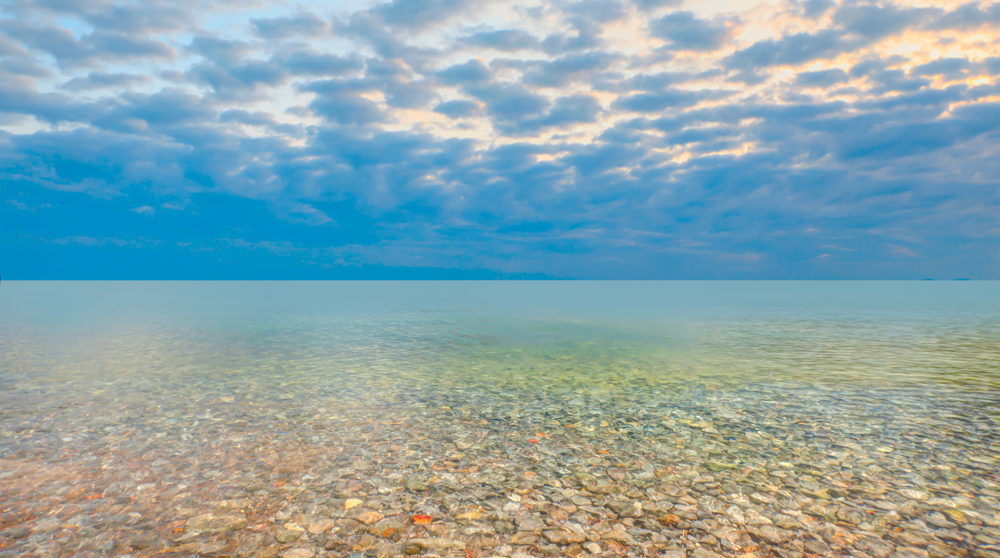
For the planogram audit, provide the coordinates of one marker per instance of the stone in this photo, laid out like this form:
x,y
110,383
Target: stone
x,y
726,534
474,530
910,538
321,526
390,527
621,508
523,538
618,536
736,515
771,534
817,547
941,550
602,488
716,466
16,532
416,484
352,503
592,547
298,553
368,517
876,547
333,542
700,552
820,494
914,494
142,542
956,516
287,535
416,546
762,499
348,527
938,519
786,522
529,523
208,523
562,536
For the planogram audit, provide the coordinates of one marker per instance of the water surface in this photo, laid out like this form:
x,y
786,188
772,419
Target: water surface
x,y
160,403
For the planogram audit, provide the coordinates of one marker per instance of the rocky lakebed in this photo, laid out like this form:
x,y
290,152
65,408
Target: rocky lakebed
x,y
458,434
632,469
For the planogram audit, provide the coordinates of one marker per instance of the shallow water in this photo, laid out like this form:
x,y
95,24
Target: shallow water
x,y
528,418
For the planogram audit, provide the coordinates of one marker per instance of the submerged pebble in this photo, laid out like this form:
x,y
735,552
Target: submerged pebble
x,y
164,447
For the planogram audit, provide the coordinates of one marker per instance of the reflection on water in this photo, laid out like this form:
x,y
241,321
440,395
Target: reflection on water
x,y
523,418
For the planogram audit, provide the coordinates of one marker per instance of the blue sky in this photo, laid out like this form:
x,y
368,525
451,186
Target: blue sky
x,y
420,139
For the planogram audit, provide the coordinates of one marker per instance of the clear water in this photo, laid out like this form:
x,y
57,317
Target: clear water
x,y
347,334
203,375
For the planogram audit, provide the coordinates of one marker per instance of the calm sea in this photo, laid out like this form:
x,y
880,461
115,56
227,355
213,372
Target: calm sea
x,y
139,388
837,333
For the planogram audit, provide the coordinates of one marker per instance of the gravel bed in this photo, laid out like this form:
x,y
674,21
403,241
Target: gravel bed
x,y
504,468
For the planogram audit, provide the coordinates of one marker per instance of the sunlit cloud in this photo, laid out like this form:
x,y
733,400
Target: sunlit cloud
x,y
435,133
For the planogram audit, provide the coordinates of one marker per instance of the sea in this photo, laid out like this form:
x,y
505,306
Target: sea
x,y
500,418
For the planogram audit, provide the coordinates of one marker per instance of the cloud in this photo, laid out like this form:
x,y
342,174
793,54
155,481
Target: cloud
x,y
568,69
572,109
816,8
262,119
646,5
458,109
508,104
131,17
467,73
418,13
793,49
90,241
687,32
99,80
821,78
505,40
667,98
305,24
855,26
99,45
947,67
575,139
20,205
968,17
347,109
311,62
870,21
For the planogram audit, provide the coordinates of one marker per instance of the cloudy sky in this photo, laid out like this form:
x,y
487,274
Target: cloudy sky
x,y
476,139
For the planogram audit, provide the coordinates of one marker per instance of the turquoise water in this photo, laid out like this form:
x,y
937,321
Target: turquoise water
x,y
100,375
812,332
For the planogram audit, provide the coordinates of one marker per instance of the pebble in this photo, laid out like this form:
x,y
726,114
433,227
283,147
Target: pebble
x,y
914,494
352,503
16,532
287,535
208,523
604,457
415,546
563,537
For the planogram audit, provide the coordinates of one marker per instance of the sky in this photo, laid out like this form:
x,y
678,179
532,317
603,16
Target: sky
x,y
474,139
